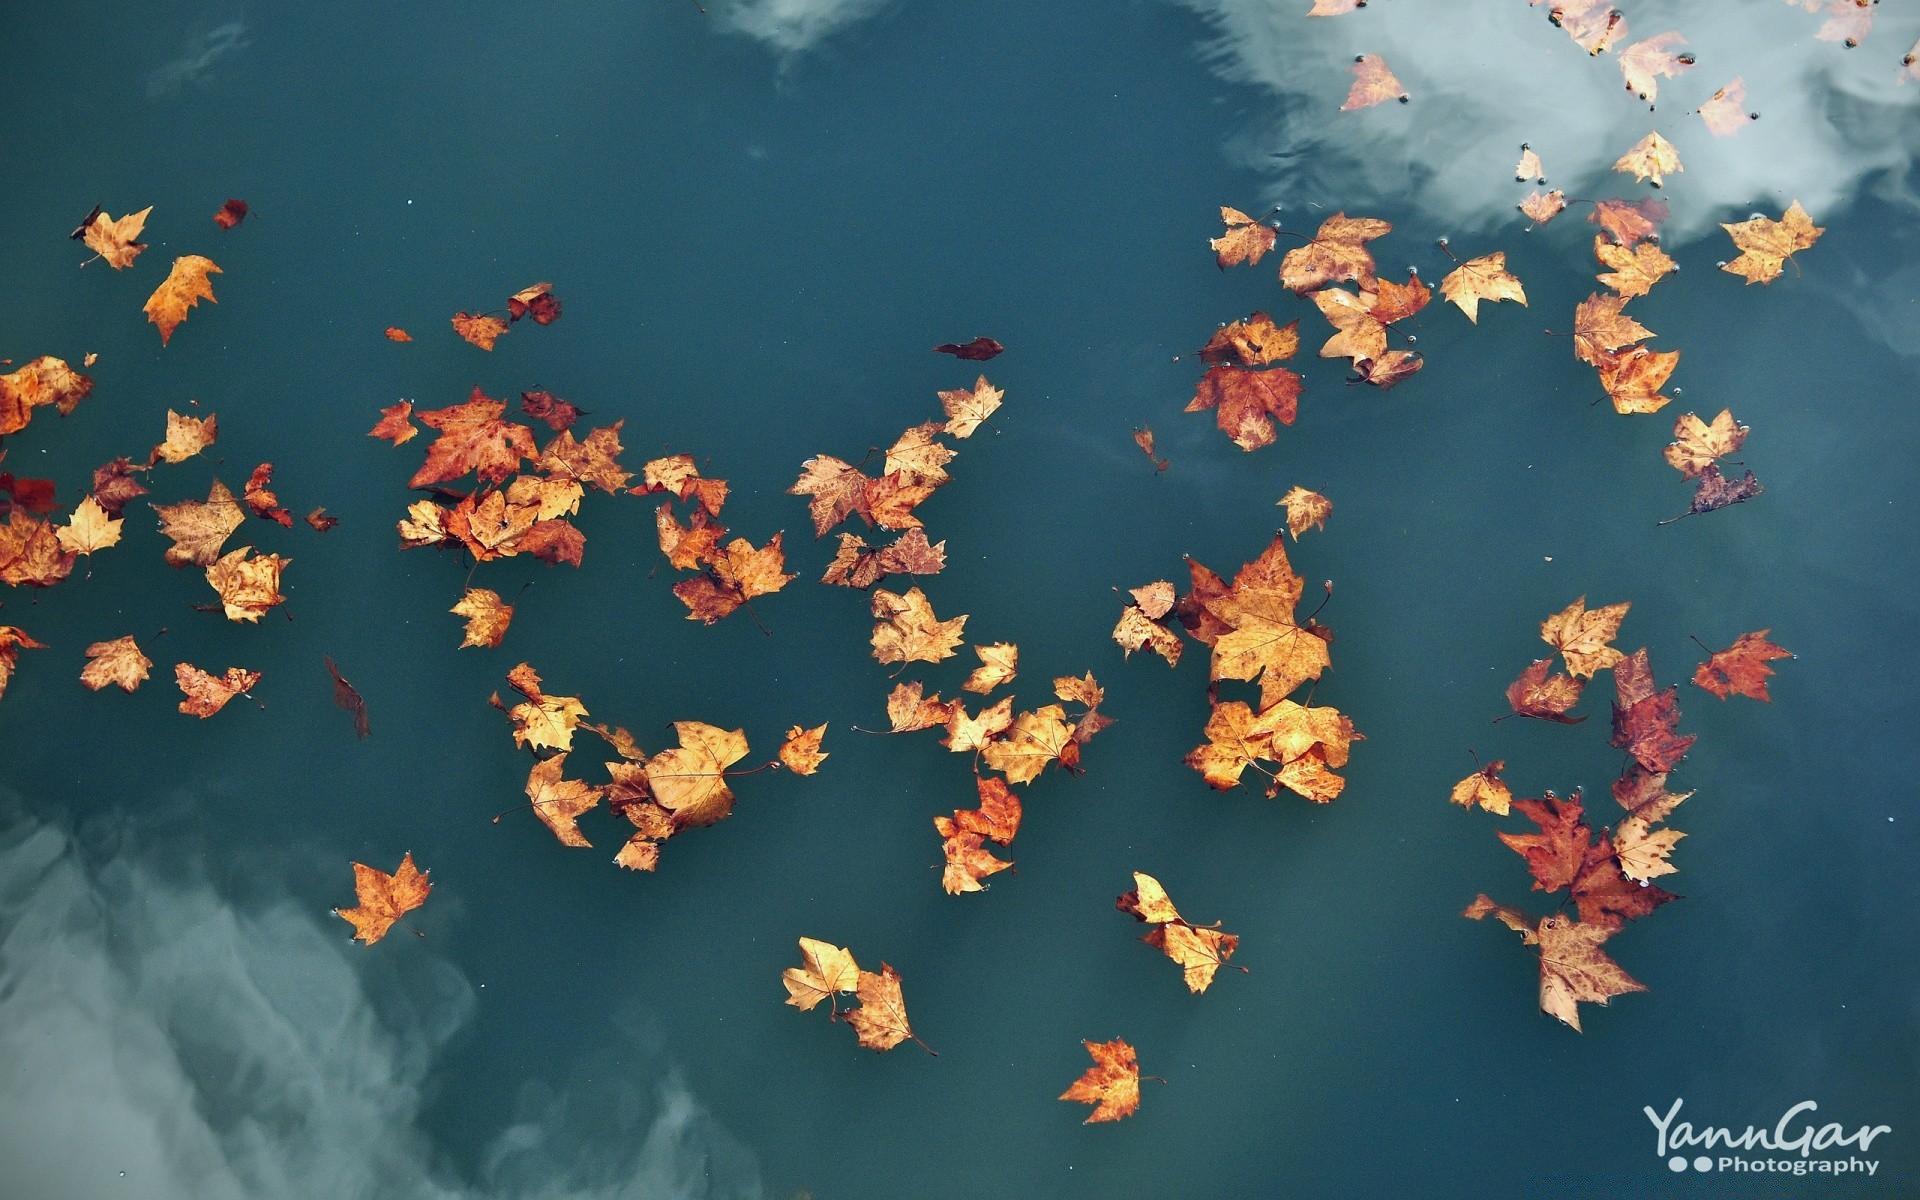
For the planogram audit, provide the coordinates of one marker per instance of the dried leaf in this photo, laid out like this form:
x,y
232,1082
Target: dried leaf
x,y
208,694
118,662
1112,1083
183,288
1741,669
384,898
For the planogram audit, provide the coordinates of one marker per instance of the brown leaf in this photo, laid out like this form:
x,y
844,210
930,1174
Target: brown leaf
x,y
1244,401
1373,83
116,241
248,587
1741,669
186,437
909,631
487,617
198,529
185,286
118,662
384,898
801,753
12,641
346,696
481,330
978,350
208,694
1536,694
1245,241
1112,1083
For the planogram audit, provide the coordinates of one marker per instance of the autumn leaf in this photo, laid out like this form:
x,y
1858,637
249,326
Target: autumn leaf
x,y
1390,368
1592,24
677,474
828,970
1483,278
998,663
1334,8
909,631
1573,968
208,694
1645,719
858,566
997,819
1643,63
909,709
1715,491
44,381
89,528
1305,742
184,287
186,437
396,423
734,576
1697,444
35,495
1245,241
487,617
967,733
537,302
1485,788
1848,21
261,501
116,241
118,662
198,529
384,898
1634,271
881,1020
1260,639
1628,222
114,485
1143,438
1035,740
1546,697
593,461
801,752
1140,626
1581,636
966,408
481,330
1541,207
1373,83
472,437
1112,1084
689,780
347,697
1726,112
319,521
1741,669
1766,245
968,861
1360,321
1245,401
559,801
542,721
1633,377
1599,326
1337,254
1305,510
31,554
1253,342
835,491
1529,166
979,349
248,587
1200,951
12,641
397,334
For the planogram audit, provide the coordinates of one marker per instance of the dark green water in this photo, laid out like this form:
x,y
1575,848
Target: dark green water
x,y
756,240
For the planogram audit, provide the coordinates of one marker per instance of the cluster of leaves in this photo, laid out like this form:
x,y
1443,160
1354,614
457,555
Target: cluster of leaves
x,y
827,971
1609,880
1201,950
187,283
483,329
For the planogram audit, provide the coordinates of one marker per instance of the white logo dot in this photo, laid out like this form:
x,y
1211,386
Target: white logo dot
x,y
1677,1163
1703,1163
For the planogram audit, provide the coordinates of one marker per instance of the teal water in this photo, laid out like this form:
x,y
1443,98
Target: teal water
x,y
757,237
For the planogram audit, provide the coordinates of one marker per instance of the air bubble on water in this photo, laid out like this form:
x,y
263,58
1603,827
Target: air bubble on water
x,y
1756,216
1412,270
1678,391
1722,264
1443,240
1413,337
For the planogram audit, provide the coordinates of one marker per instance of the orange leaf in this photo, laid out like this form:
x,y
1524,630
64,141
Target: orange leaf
x,y
384,898
208,694
46,380
1742,668
481,330
801,753
12,641
118,662
115,241
1112,1083
1373,84
185,286
1245,241
1726,112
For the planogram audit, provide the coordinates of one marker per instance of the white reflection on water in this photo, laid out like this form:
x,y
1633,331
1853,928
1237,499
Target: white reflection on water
x,y
1487,75
791,26
197,59
157,1041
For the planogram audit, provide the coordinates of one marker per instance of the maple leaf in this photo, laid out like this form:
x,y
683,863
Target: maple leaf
x,y
114,485
968,733
208,694
1697,444
1716,491
1766,245
1541,207
1485,788
1483,278
966,408
734,576
1112,1083
1139,625
908,631
1581,635
89,528
559,801
1200,951
1373,83
979,349
542,721
481,330
1634,271
487,617
1360,321
31,553
46,380
1599,326
1573,968
248,587
1244,401
1143,438
186,437
998,663
347,698
881,1020
116,241
1592,24
1642,63
1644,719
1633,377
968,861
384,898
396,423
1306,742
1305,510
230,214
12,641
593,461
1334,8
1726,112
1253,342
1529,166
997,819
472,437
1630,221
118,662
261,501
1652,158
1390,368
690,780
855,565
1642,852
198,529
801,752
396,334
836,489
1035,740
1644,794
1741,669
909,710
1260,639
184,287
829,970
34,495
1337,254
1536,694
1245,241
537,302
1847,20
680,475
1554,854
917,459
